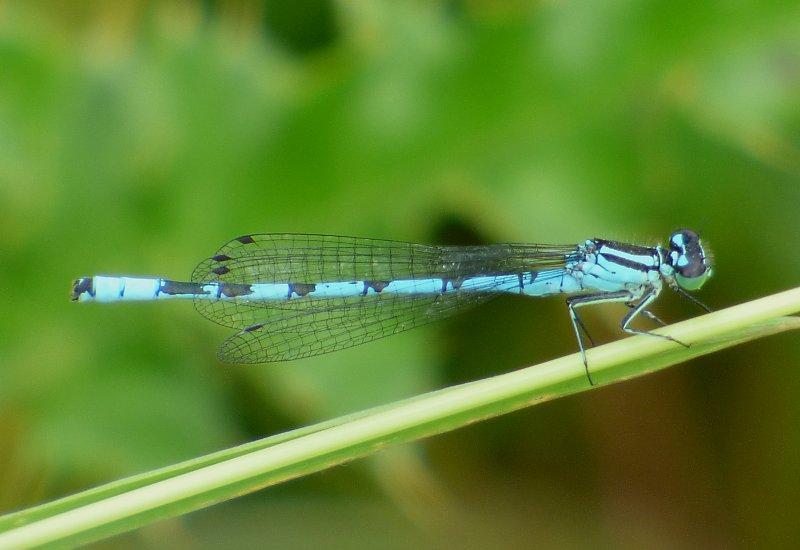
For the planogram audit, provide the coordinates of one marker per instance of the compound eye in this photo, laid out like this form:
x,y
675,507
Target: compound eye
x,y
691,266
683,240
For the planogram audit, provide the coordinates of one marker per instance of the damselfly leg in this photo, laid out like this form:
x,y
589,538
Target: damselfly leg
x,y
641,307
652,316
574,302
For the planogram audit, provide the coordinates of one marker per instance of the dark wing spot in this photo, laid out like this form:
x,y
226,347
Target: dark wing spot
x,y
232,290
221,270
252,328
246,239
301,289
221,258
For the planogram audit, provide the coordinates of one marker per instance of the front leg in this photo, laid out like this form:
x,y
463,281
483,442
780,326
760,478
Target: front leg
x,y
689,297
641,308
650,315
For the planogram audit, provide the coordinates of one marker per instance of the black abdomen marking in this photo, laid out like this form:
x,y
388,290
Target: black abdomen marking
x,y
301,289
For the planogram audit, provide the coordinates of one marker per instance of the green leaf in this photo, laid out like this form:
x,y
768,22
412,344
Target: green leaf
x,y
198,483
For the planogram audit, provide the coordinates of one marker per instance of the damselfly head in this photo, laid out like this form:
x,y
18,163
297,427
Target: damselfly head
x,y
689,259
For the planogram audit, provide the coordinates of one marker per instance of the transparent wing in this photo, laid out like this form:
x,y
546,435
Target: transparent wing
x,y
300,258
294,335
282,330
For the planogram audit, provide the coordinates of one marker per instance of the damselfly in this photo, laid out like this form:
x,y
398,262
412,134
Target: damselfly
x,y
297,295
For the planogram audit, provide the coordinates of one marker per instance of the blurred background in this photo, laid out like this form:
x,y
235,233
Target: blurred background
x,y
137,137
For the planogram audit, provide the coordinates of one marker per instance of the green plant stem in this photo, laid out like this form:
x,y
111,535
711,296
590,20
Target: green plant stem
x,y
196,484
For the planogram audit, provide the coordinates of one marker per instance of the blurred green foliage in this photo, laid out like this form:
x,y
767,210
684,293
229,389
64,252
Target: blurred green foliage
x,y
135,137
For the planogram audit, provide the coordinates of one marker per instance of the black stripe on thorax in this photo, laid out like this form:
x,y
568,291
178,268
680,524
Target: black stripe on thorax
x,y
630,264
627,248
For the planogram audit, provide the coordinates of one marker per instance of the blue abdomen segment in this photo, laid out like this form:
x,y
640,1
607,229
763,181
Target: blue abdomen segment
x,y
102,288
554,281
125,289
115,289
